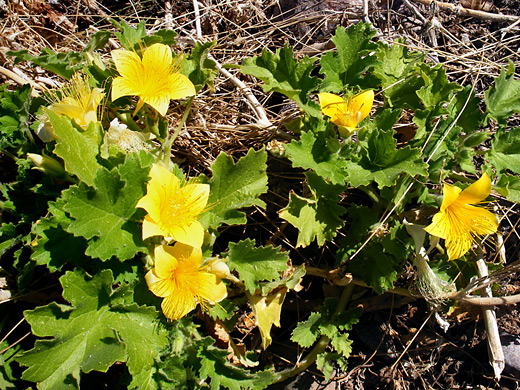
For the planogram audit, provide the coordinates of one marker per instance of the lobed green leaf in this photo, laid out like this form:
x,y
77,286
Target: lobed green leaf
x,y
283,73
317,217
104,215
503,98
256,264
93,333
234,186
312,151
348,65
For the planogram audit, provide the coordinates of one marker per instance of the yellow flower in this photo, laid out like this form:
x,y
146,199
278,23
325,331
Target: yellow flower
x,y
346,114
179,278
173,208
79,101
154,78
458,221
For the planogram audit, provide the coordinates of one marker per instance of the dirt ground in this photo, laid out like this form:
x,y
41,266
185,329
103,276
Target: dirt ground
x,y
398,343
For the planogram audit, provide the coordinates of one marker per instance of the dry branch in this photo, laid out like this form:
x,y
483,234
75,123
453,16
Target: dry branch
x,y
459,10
496,354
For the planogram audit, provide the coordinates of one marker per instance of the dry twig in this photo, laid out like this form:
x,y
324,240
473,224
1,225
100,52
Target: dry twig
x,y
496,354
459,10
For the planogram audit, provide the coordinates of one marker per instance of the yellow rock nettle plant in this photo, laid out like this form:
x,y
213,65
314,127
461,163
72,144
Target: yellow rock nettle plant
x,y
154,78
182,281
173,207
459,220
346,113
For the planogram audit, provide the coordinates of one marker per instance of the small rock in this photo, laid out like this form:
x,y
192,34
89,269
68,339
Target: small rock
x,y
511,348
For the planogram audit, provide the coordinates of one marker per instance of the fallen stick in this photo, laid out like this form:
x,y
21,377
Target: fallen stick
x,y
20,80
496,354
459,10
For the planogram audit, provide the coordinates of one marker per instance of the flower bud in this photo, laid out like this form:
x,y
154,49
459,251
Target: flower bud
x,y
47,164
218,267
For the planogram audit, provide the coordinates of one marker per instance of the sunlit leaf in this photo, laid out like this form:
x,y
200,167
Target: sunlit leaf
x,y
256,264
94,332
234,186
283,73
353,56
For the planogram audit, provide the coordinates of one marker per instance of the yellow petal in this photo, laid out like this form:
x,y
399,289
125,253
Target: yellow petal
x,y
197,194
361,104
159,102
211,289
476,192
181,87
192,235
128,63
166,260
449,195
151,228
159,287
158,57
161,174
458,246
267,312
177,305
332,105
440,226
72,111
123,87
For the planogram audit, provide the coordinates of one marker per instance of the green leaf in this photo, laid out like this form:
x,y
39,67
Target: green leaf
x,y
7,379
307,332
104,215
54,245
398,74
509,186
361,220
282,73
214,365
504,154
15,109
325,363
164,36
312,152
62,64
341,344
348,65
235,186
199,68
317,217
383,163
503,99
256,264
375,267
92,334
129,36
97,41
79,149
436,89
471,118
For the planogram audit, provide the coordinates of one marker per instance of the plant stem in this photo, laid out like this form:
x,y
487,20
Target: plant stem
x,y
371,194
320,346
127,120
168,142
